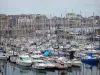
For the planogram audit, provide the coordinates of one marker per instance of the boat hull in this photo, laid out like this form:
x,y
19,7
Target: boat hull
x,y
3,57
23,63
13,59
91,61
38,67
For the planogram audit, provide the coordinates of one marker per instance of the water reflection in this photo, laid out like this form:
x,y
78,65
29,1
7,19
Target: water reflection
x,y
7,68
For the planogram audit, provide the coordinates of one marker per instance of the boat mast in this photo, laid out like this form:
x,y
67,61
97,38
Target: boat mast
x,y
50,25
86,25
57,34
99,30
81,28
92,30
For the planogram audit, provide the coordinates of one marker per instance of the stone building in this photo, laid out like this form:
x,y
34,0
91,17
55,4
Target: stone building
x,y
4,25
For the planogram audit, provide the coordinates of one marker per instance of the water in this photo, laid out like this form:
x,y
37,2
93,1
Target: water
x,y
7,68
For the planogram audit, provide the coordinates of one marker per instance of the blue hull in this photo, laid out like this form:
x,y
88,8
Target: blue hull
x,y
91,61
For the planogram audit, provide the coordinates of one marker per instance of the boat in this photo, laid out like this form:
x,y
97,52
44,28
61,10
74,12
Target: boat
x,y
13,58
76,62
64,62
10,53
48,63
88,47
39,65
24,60
37,59
35,54
89,59
2,55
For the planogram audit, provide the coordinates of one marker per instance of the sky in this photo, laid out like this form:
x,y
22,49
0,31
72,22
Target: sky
x,y
53,7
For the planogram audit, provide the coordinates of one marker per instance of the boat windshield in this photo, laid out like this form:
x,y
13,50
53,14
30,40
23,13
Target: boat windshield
x,y
25,58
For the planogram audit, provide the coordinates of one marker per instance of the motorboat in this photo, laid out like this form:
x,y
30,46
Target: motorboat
x,y
10,53
13,58
35,54
76,62
24,60
49,64
38,62
64,62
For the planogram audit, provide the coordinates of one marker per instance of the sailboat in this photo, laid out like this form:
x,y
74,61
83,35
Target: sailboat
x,y
89,59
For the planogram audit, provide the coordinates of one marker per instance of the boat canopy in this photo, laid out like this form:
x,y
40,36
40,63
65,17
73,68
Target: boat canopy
x,y
1,50
97,48
67,42
47,53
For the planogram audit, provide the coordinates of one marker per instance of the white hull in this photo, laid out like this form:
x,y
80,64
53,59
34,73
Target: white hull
x,y
3,57
24,60
59,66
36,61
63,66
68,63
13,59
23,63
38,67
76,63
49,65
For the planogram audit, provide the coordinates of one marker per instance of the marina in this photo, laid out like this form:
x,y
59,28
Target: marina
x,y
37,45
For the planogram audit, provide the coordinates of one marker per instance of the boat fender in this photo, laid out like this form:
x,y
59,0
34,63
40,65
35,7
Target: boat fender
x,y
62,64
